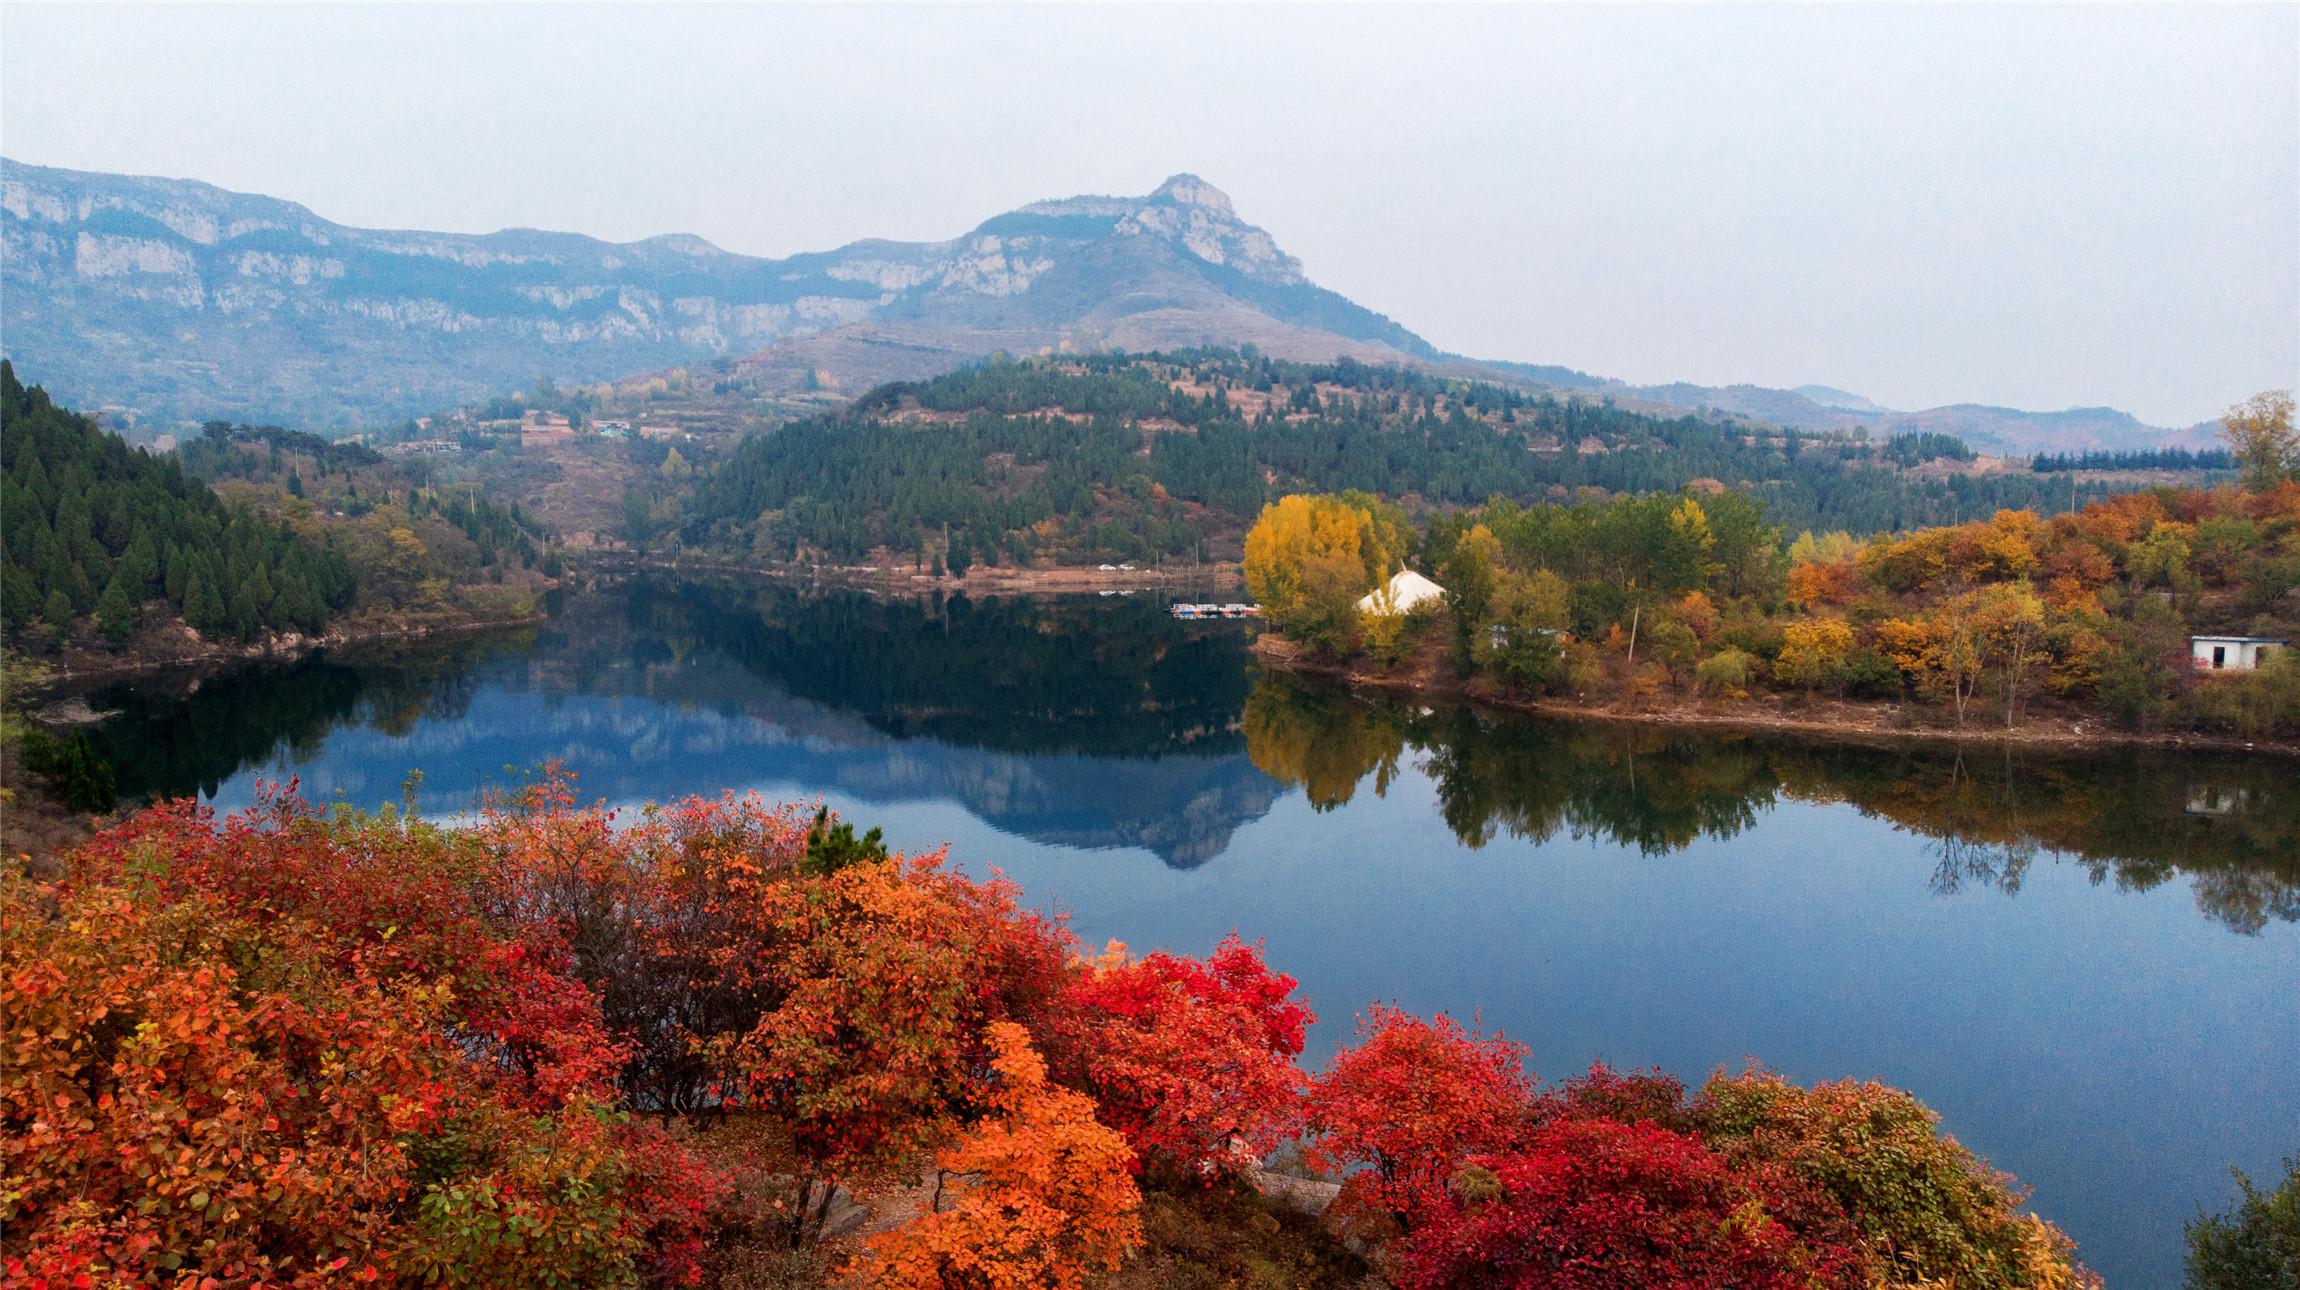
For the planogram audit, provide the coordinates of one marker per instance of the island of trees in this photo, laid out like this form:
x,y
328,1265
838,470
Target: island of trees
x,y
1695,596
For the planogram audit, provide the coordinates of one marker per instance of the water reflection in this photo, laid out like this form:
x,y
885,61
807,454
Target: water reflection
x,y
1074,722
2132,820
186,733
1838,911
1107,678
1093,722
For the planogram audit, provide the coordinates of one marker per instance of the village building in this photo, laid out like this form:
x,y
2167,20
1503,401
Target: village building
x,y
2233,653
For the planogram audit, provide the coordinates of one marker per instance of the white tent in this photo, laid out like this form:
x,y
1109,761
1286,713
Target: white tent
x,y
1406,592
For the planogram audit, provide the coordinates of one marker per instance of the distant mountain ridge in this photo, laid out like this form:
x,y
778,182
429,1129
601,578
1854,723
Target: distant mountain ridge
x,y
182,301
179,301
2001,431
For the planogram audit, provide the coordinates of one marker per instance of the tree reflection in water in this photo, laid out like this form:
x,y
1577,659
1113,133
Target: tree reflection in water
x,y
1145,717
2130,819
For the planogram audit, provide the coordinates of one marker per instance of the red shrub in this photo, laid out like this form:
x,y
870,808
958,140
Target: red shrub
x,y
1590,1204
1410,1102
1192,1060
1631,1097
281,1048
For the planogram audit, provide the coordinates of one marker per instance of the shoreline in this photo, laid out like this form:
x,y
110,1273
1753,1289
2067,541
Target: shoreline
x,y
57,676
1001,581
1833,721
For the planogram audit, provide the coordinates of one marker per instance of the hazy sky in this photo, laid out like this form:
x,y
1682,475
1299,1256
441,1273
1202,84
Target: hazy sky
x,y
2041,207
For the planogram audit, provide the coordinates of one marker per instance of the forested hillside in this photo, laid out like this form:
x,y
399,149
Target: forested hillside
x,y
111,548
1143,457
466,537
97,528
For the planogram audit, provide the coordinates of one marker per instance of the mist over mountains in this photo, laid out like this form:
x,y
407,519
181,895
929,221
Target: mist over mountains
x,y
175,301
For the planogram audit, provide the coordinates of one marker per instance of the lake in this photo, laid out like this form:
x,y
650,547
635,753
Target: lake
x,y
2087,966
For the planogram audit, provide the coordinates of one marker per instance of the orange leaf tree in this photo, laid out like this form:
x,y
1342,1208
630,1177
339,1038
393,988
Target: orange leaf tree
x,y
884,977
1047,1194
284,1048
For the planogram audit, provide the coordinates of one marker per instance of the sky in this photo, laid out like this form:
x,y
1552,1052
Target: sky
x,y
2036,207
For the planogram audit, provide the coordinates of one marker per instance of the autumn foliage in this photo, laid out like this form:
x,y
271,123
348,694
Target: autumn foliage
x,y
295,1048
1630,598
1410,1102
1193,1061
279,1049
1047,1193
1588,1203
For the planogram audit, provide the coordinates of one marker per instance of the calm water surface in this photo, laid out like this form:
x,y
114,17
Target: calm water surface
x,y
2087,967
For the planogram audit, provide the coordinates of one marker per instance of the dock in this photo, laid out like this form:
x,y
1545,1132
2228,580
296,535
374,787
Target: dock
x,y
1186,609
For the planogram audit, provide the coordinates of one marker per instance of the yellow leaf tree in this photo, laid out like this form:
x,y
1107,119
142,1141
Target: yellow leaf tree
x,y
1814,652
1308,559
2259,432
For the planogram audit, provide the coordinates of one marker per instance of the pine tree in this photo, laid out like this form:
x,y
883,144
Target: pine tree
x,y
116,610
58,611
19,598
142,564
203,607
177,572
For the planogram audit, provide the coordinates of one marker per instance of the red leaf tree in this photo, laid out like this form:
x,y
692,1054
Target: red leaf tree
x,y
1411,1101
1191,1059
1593,1204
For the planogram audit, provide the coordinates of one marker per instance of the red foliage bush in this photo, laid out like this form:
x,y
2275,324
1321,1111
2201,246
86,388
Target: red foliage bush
x,y
1410,1102
289,1048
1592,1204
1192,1060
284,1049
1626,1097
884,978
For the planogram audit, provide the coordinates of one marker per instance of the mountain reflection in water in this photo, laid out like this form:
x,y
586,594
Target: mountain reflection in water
x,y
1103,722
1078,722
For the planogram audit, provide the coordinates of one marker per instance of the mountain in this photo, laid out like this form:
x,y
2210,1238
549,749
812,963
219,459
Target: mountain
x,y
2008,432
179,301
168,302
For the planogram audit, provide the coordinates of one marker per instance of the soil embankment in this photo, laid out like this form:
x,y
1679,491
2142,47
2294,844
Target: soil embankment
x,y
1004,580
177,646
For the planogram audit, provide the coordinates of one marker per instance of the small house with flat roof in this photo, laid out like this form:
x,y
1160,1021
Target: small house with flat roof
x,y
2233,653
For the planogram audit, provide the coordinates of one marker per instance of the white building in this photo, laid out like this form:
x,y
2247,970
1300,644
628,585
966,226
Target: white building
x,y
1405,592
2237,653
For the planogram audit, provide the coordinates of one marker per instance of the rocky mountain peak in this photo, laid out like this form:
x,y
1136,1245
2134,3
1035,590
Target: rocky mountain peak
x,y
1186,189
179,301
